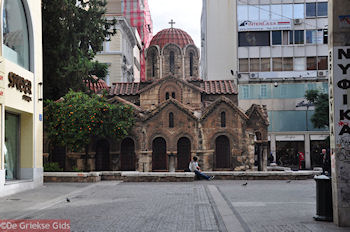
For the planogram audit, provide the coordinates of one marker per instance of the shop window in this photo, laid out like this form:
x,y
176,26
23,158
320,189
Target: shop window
x,y
254,65
322,9
253,12
223,119
311,63
191,64
298,11
172,62
276,12
242,12
291,37
263,90
171,120
255,38
311,86
311,9
243,65
15,33
276,64
285,37
299,37
314,36
287,64
287,11
245,92
322,63
11,148
264,12
299,64
265,65
276,37
311,36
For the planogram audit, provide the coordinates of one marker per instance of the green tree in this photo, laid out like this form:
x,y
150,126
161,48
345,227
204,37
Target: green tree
x,y
73,31
320,119
77,118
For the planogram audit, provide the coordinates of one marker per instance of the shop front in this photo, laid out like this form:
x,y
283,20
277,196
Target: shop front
x,y
20,96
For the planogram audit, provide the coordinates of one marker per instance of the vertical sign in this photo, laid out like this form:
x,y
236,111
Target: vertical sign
x,y
341,90
339,93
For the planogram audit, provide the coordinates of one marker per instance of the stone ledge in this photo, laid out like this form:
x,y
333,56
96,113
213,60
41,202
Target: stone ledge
x,y
72,177
158,176
175,176
269,175
111,175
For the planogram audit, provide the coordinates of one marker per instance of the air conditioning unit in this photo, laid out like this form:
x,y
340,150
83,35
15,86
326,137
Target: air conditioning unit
x,y
322,73
254,75
297,21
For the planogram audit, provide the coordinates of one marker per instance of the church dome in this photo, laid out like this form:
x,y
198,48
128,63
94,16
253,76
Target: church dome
x,y
172,35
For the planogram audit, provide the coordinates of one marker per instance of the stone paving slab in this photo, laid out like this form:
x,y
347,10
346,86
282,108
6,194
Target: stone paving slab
x,y
259,206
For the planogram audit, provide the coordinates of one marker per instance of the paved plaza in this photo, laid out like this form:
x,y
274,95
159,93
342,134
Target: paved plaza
x,y
259,206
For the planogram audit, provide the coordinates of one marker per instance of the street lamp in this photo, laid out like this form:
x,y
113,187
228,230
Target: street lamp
x,y
307,104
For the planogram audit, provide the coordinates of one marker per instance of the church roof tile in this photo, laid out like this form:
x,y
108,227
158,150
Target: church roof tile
x,y
124,88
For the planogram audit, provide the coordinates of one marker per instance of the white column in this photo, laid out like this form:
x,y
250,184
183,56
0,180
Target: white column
x,y
307,151
273,146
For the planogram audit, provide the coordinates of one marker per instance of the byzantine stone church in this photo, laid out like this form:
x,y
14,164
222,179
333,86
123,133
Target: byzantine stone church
x,y
178,115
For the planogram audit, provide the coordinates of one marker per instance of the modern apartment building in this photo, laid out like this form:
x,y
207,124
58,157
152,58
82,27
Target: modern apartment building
x,y
124,53
281,49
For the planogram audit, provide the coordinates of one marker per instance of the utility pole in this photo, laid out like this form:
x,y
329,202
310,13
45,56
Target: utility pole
x,y
339,93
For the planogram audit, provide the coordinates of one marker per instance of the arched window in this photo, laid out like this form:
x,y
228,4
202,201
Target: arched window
x,y
166,95
171,120
15,33
191,64
223,119
173,95
154,61
172,62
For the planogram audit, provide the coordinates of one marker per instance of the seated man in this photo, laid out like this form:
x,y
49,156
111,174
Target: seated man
x,y
195,168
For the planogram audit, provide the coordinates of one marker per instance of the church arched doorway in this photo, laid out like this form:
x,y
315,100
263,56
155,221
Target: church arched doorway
x,y
102,161
159,156
183,153
222,152
127,155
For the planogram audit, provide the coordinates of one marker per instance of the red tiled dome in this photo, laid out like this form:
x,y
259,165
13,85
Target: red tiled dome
x,y
172,35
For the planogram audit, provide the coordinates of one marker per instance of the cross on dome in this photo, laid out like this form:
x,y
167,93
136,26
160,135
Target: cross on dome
x,y
172,23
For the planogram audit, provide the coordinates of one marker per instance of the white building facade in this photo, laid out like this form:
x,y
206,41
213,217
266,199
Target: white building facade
x,y
281,49
118,52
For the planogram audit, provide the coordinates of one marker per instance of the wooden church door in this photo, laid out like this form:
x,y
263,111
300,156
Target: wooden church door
x,y
183,153
127,155
222,152
159,156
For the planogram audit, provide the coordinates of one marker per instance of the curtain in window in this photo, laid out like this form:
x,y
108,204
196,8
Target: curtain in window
x,y
11,146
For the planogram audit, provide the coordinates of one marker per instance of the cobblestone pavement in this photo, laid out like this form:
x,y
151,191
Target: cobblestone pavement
x,y
200,206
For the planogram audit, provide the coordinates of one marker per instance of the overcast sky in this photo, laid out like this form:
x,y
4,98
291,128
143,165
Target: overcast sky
x,y
185,13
